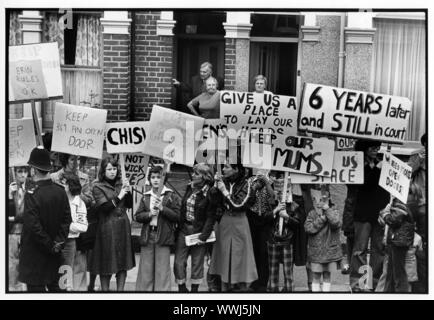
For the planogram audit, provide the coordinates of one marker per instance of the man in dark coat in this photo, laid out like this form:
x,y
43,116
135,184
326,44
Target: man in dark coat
x,y
188,91
47,217
370,200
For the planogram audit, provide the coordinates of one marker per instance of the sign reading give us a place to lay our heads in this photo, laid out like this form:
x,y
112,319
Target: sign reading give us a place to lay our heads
x,y
354,114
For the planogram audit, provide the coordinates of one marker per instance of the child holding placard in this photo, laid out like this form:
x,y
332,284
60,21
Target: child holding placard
x,y
159,215
281,238
324,248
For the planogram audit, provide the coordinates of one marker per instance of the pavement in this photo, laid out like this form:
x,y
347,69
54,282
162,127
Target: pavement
x,y
177,180
340,282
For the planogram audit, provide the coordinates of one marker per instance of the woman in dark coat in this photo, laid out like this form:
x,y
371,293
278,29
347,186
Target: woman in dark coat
x,y
112,253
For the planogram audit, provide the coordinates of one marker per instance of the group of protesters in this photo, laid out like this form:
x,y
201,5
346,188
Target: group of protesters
x,y
64,226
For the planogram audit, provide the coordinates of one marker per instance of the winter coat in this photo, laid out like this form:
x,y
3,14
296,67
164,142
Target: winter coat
x,y
112,250
47,217
167,218
204,212
323,236
371,198
401,224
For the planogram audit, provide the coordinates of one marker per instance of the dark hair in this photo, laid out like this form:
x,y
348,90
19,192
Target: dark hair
x,y
22,167
63,159
363,145
424,139
104,164
73,183
154,169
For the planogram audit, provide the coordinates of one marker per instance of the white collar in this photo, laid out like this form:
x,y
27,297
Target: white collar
x,y
165,189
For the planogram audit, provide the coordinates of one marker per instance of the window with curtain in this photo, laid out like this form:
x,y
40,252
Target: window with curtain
x,y
399,66
15,38
80,50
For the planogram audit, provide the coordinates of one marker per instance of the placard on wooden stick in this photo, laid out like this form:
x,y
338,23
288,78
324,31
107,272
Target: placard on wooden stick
x,y
21,141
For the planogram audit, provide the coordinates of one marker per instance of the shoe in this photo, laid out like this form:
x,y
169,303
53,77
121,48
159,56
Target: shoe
x,y
194,288
182,288
345,269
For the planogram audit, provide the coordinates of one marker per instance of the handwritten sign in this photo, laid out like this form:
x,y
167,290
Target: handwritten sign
x,y
21,141
27,80
352,113
395,177
244,111
172,135
78,130
293,154
192,239
34,72
136,166
126,137
347,169
345,143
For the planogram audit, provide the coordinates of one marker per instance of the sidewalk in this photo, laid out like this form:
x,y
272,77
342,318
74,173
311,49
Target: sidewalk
x,y
340,282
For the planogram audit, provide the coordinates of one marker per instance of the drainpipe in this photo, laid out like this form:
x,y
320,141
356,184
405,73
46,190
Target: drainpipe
x,y
342,51
132,106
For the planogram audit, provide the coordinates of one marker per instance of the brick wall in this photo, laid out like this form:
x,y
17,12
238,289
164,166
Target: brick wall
x,y
153,65
116,73
230,61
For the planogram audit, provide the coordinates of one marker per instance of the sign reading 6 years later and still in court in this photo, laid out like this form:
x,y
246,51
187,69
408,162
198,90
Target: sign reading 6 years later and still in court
x,y
356,114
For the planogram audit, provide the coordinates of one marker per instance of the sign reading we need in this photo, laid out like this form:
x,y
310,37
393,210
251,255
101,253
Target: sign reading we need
x,y
126,137
21,141
347,169
395,177
78,130
34,72
245,111
352,113
173,135
292,153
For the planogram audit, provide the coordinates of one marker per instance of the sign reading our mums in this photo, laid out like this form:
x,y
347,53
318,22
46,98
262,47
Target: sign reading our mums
x,y
126,137
291,153
172,135
347,169
244,111
78,130
21,141
395,177
352,113
34,72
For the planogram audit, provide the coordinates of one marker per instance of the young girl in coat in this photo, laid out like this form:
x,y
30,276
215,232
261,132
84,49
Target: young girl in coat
x,y
159,215
324,251
78,225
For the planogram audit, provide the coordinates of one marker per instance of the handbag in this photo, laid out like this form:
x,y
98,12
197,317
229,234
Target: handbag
x,y
86,240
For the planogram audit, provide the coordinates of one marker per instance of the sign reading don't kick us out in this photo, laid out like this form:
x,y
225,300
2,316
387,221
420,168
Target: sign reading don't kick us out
x,y
78,130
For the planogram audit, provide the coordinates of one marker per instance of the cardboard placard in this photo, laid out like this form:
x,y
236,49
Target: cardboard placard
x,y
136,167
192,239
348,168
291,153
244,111
27,80
395,177
345,143
126,137
172,135
352,113
34,72
22,141
78,130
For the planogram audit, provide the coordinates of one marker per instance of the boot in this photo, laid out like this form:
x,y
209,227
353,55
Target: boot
x,y
182,288
194,288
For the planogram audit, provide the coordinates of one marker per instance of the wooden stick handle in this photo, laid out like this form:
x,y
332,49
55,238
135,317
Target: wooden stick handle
x,y
36,122
122,162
